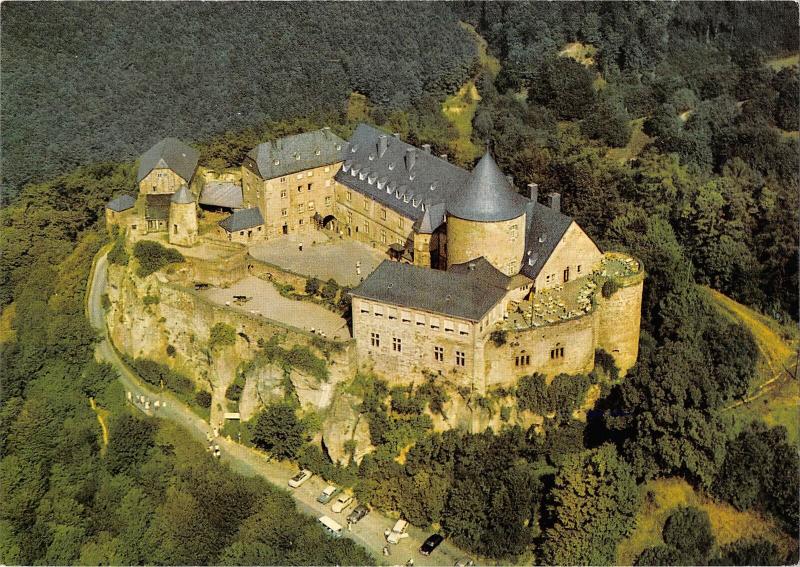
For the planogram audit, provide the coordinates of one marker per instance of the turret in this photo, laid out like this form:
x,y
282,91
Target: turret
x,y
487,218
183,218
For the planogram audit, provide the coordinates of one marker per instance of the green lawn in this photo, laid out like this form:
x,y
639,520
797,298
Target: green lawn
x,y
778,63
635,145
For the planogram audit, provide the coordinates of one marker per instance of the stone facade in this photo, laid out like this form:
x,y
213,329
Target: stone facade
x,y
289,203
501,243
183,224
247,236
161,181
572,258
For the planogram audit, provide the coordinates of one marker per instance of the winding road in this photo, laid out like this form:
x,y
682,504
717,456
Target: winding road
x,y
247,461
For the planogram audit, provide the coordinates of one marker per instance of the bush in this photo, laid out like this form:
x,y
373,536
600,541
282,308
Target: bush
x,y
152,256
605,361
567,393
203,399
330,290
222,335
498,337
689,531
609,288
171,351
278,431
533,394
150,299
118,253
312,286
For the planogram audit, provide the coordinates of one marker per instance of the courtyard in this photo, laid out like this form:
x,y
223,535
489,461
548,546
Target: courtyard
x,y
265,300
322,257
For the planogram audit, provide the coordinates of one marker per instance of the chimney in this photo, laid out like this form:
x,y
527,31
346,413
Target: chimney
x,y
411,157
510,179
555,202
427,148
533,192
383,143
396,135
443,156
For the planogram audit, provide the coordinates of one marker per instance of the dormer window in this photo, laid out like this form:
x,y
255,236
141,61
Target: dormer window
x,y
414,203
362,175
405,198
317,152
391,166
338,147
371,157
276,162
354,148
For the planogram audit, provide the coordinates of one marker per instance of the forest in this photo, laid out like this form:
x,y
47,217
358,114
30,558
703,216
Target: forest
x,y
708,200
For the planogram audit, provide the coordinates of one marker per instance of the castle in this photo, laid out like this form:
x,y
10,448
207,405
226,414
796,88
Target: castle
x,y
481,284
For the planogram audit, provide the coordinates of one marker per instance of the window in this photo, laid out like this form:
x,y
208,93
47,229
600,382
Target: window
x,y
259,229
448,326
327,201
383,237
349,195
514,230
378,311
392,314
301,207
366,204
397,344
283,193
438,353
579,268
375,339
566,275
383,214
463,329
364,308
405,316
327,169
284,212
434,323
400,222
366,227
309,174
311,205
174,229
300,222
420,320
557,352
299,176
461,358
522,360
283,180
133,227
309,186
299,188
241,233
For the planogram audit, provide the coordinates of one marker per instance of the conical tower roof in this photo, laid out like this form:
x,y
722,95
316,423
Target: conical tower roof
x,y
487,196
183,196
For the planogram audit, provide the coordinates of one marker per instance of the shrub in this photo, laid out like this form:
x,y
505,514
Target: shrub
x,y
222,335
567,393
234,391
278,431
689,531
105,301
498,337
152,256
312,286
118,253
330,290
610,287
150,299
533,394
171,351
605,361
203,399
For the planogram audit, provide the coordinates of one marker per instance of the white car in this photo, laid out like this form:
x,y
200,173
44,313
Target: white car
x,y
343,502
300,478
397,532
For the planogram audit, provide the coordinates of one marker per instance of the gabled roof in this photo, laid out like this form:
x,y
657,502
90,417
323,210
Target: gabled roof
x,y
172,154
296,153
545,229
483,270
222,194
464,295
431,219
383,175
242,220
183,196
121,203
487,195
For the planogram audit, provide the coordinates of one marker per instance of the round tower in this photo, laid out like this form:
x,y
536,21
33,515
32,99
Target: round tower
x,y
487,218
182,218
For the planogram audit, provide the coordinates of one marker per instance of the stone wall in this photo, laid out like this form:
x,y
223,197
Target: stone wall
x,y
363,219
501,243
575,252
161,180
618,321
183,224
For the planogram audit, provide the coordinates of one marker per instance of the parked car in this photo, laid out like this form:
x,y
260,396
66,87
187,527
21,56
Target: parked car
x,y
357,514
300,478
430,544
397,532
331,526
342,503
328,494
465,562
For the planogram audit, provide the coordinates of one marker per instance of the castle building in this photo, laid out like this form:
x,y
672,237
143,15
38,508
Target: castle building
x,y
183,218
165,167
290,180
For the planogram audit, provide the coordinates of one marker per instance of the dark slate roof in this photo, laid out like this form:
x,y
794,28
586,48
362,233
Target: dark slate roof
x,y
121,203
295,153
157,206
545,229
183,196
222,194
462,295
487,195
169,153
242,220
431,219
386,178
483,270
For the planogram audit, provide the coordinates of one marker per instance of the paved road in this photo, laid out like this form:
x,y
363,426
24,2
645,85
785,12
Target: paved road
x,y
247,461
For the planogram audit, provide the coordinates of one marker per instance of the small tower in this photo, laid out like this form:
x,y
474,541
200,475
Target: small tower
x,y
182,218
487,218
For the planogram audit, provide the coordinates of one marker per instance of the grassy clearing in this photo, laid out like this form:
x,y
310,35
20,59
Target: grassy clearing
x,y
790,133
357,110
778,63
7,332
487,61
583,53
459,109
660,497
635,145
778,405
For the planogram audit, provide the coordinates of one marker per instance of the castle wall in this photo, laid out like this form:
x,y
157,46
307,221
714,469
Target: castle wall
x,y
246,236
363,219
121,219
575,252
376,325
501,243
617,322
506,364
161,180
290,202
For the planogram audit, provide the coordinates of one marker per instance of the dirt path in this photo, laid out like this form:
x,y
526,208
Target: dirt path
x,y
102,419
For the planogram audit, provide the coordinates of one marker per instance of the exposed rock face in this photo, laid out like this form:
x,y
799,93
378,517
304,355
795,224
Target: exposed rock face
x,y
343,424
